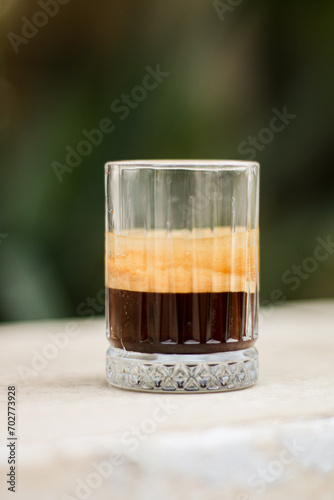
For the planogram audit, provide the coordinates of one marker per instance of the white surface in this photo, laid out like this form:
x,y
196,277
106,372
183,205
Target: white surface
x,y
272,441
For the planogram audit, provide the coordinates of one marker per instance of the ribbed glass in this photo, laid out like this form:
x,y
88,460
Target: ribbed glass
x,y
182,256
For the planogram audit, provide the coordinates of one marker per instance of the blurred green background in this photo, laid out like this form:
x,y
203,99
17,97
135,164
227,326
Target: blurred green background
x,y
229,66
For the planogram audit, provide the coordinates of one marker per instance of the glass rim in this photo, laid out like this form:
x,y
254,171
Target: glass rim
x,y
194,165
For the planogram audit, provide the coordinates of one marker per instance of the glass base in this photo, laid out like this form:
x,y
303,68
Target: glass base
x,y
182,373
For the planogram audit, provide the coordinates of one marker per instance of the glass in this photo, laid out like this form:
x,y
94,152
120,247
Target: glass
x,y
182,274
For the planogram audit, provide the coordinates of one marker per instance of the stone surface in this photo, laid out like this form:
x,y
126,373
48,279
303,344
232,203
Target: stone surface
x,y
80,438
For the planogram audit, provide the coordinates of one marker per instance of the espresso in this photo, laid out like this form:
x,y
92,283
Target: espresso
x,y
182,292
181,322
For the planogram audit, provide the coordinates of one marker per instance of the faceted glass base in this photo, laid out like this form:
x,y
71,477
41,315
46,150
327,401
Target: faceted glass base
x,y
182,373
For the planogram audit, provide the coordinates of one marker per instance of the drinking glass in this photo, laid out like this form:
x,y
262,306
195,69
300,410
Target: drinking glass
x,y
182,274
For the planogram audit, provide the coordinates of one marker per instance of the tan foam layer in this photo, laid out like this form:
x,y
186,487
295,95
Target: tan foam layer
x,y
183,261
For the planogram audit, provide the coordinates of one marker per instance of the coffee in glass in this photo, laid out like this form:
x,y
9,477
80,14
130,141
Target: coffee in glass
x,y
182,275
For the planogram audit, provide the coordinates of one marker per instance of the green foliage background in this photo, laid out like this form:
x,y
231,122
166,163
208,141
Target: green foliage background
x,y
226,76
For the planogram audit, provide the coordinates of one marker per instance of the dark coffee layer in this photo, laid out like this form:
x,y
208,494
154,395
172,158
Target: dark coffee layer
x,y
184,323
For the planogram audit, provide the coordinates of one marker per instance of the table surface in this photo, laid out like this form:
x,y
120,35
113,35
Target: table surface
x,y
80,438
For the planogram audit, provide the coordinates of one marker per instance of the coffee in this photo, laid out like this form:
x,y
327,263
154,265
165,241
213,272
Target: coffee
x,y
180,322
187,293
